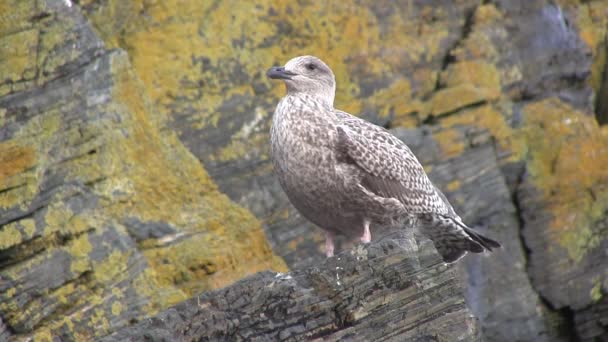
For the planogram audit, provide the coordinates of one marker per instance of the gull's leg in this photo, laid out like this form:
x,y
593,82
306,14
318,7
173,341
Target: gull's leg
x,y
367,236
329,244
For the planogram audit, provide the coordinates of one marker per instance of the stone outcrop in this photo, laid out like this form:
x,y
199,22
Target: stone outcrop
x,y
124,125
104,219
374,293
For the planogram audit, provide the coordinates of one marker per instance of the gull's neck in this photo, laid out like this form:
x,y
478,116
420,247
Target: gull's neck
x,y
326,100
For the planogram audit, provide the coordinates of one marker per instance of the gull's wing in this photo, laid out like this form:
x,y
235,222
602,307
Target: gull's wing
x,y
391,169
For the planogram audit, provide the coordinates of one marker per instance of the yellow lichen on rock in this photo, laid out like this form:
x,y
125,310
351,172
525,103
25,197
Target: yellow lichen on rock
x,y
17,50
10,236
18,43
15,15
448,100
478,73
451,142
568,153
83,158
167,186
396,99
592,20
80,249
173,50
492,119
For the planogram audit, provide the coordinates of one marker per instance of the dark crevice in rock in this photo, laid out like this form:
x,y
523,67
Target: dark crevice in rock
x,y
449,57
434,119
86,59
520,217
94,181
63,239
28,249
208,267
84,279
563,320
40,16
564,317
6,331
568,327
9,188
601,98
21,216
446,61
21,252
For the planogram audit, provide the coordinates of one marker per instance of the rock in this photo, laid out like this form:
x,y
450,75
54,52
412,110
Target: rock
x,y
377,292
493,213
102,219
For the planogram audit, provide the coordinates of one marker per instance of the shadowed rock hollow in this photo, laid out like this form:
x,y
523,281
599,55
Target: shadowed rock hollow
x,y
134,167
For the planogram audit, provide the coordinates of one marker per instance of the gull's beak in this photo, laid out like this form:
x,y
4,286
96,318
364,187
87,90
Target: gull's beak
x,y
279,73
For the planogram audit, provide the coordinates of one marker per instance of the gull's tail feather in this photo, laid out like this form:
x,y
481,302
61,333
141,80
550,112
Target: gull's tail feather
x,y
452,238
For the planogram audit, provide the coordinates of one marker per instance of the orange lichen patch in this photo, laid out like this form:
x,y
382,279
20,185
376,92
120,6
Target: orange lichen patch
x,y
169,47
14,159
453,185
293,244
568,154
17,174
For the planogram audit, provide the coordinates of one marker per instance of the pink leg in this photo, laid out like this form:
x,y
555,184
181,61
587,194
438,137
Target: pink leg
x,y
329,244
367,236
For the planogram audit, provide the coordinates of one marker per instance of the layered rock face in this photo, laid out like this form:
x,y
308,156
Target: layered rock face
x,y
384,291
104,218
134,158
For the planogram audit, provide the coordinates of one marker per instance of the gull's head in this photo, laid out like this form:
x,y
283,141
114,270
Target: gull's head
x,y
307,75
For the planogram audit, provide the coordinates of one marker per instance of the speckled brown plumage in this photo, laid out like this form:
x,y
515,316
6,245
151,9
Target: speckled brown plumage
x,y
345,174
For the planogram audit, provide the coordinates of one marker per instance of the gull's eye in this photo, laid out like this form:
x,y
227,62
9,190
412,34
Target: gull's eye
x,y
311,67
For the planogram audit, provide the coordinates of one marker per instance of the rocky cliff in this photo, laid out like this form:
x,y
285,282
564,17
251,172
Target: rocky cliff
x,y
134,161
105,218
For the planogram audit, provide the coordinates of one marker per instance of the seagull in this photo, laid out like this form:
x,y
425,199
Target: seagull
x,y
346,174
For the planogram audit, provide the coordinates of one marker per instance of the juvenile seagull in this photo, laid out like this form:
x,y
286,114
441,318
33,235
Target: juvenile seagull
x,y
345,174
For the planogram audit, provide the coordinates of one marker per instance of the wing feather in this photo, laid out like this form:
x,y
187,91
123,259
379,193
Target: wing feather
x,y
392,170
